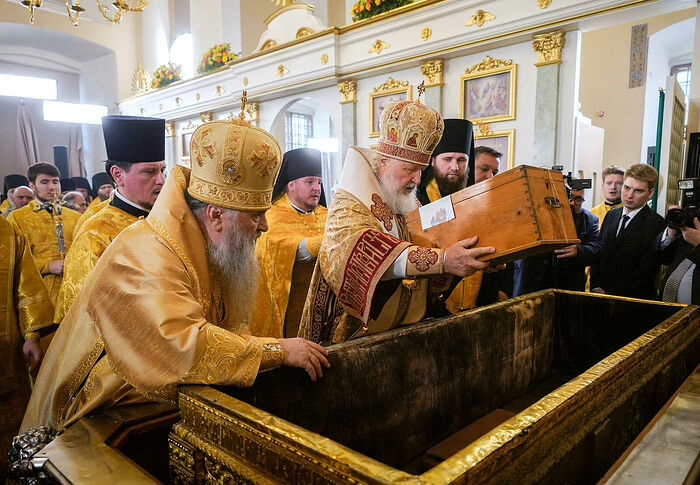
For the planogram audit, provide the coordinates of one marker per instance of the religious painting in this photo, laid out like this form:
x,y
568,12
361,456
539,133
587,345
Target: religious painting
x,y
391,91
488,95
185,138
501,141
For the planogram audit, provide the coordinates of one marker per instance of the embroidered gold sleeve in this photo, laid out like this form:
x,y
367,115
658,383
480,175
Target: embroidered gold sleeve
x,y
422,261
34,307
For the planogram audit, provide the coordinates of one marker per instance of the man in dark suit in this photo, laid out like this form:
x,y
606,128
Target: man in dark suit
x,y
630,257
564,269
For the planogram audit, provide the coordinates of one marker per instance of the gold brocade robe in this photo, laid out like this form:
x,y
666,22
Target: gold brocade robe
x,y
275,314
39,231
347,297
90,242
150,317
464,296
4,205
25,308
95,206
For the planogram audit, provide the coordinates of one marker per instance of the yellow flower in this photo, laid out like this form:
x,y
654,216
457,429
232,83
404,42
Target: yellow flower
x,y
224,58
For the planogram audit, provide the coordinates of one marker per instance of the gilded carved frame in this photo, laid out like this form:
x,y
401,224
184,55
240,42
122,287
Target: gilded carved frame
x,y
489,67
508,153
184,136
387,91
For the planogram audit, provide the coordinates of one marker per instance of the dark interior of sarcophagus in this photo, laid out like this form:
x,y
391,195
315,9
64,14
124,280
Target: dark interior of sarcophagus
x,y
412,397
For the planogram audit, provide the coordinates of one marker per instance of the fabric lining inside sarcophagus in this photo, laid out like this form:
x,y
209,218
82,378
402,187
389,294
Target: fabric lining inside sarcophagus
x,y
394,396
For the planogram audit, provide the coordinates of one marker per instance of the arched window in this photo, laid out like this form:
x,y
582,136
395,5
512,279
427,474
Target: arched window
x,y
181,53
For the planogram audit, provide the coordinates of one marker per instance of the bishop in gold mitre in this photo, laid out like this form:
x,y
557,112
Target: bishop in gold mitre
x,y
47,229
450,170
136,150
369,277
168,301
287,252
27,313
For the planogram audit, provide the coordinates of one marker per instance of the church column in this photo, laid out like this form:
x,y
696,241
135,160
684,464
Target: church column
x,y
432,70
548,47
348,101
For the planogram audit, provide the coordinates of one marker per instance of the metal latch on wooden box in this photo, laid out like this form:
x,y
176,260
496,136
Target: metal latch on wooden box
x,y
552,201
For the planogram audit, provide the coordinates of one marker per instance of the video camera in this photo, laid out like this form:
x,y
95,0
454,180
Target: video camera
x,y
690,202
573,183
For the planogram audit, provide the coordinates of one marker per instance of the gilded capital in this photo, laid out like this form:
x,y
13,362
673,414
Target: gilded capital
x,y
252,110
348,91
548,47
432,70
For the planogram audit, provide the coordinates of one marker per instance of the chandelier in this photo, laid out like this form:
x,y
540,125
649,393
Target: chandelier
x,y
74,9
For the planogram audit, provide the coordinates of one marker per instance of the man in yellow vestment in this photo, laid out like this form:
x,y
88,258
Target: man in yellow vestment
x,y
26,312
136,149
104,189
452,167
168,301
612,192
287,251
368,276
10,183
48,233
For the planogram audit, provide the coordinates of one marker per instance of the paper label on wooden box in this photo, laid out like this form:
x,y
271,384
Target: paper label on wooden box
x,y
436,213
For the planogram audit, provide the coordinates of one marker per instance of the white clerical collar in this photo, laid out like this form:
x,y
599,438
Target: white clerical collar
x,y
300,210
127,201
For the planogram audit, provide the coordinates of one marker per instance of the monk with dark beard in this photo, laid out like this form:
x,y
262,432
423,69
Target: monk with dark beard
x,y
168,301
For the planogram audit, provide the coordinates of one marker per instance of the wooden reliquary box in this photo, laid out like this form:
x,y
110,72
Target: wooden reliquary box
x,y
550,387
521,212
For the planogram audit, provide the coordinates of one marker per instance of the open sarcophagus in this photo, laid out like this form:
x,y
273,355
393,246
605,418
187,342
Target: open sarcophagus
x,y
549,387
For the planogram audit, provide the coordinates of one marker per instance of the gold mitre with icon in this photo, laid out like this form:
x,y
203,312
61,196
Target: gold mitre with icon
x,y
409,131
234,165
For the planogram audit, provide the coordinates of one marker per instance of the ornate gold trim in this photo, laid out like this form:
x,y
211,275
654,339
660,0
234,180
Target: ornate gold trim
x,y
251,109
324,59
387,88
487,133
348,91
206,116
281,70
178,101
426,33
304,32
489,67
378,46
268,44
548,47
544,3
433,72
479,18
219,90
286,8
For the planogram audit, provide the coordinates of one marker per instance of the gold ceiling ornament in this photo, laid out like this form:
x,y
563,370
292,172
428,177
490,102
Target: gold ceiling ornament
x,y
281,70
433,70
74,9
544,3
548,47
178,101
426,33
378,46
484,128
304,32
141,80
324,59
487,64
348,91
479,17
390,85
206,117
219,91
169,128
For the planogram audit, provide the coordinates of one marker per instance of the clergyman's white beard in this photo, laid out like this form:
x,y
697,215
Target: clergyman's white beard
x,y
236,267
398,201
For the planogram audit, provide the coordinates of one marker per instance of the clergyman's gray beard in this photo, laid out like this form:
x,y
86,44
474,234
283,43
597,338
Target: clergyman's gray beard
x,y
399,202
236,267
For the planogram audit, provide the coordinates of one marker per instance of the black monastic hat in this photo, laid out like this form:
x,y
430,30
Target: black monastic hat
x,y
13,181
67,185
298,163
81,183
458,137
100,179
134,139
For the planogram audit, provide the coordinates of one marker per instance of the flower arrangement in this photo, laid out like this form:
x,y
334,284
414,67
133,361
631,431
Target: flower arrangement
x,y
364,9
216,57
165,74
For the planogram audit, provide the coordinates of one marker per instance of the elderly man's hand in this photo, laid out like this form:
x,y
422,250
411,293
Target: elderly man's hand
x,y
32,354
306,355
461,261
692,234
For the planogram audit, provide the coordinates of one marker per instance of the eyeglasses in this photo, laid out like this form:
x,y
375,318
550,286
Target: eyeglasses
x,y
577,199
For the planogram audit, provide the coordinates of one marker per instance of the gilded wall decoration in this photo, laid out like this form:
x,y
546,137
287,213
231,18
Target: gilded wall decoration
x,y
388,92
324,59
548,47
141,80
252,110
487,91
479,18
433,72
197,96
244,81
169,128
544,3
348,91
269,44
282,71
426,33
378,46
304,32
219,91
142,111
206,117
178,101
